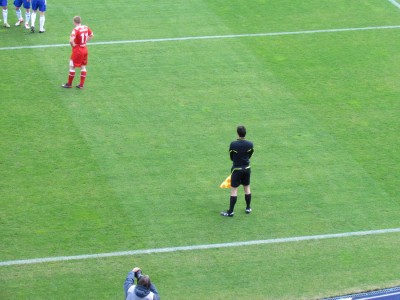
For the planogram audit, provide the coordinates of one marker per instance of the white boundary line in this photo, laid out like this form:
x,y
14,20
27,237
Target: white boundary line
x,y
191,38
198,247
395,3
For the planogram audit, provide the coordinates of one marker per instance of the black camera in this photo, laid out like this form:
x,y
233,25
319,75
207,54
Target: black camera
x,y
138,274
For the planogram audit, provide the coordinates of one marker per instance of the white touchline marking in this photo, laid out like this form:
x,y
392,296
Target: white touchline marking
x,y
191,38
394,2
198,247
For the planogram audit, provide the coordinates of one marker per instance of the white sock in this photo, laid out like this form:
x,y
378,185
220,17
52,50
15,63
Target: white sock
x,y
5,14
41,21
27,17
33,18
18,12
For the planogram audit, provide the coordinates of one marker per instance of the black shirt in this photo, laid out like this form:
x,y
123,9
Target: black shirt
x,y
240,152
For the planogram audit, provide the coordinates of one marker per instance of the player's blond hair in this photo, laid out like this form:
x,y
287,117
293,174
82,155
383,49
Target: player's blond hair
x,y
77,20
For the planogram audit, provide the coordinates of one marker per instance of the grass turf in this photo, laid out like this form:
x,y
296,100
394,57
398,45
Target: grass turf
x,y
135,159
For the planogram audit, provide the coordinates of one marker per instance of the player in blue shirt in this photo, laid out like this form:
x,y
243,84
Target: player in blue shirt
x,y
4,4
41,5
27,6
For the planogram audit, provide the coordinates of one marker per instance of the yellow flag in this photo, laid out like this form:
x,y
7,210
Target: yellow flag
x,y
227,183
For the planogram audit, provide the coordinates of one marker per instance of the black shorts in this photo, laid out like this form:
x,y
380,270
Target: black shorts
x,y
240,176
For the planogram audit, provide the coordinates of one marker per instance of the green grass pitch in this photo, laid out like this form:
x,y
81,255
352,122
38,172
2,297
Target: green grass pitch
x,y
135,159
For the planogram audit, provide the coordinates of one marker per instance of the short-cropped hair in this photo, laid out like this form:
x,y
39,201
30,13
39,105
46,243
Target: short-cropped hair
x,y
77,19
241,131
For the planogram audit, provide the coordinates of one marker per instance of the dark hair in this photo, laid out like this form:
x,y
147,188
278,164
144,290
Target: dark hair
x,y
241,131
145,281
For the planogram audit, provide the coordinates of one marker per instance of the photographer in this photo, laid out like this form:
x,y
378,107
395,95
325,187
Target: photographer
x,y
143,290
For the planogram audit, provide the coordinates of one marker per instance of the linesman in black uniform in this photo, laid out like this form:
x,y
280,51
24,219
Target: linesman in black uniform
x,y
240,152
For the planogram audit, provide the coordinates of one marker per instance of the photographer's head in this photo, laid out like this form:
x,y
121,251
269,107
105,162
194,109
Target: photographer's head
x,y
145,281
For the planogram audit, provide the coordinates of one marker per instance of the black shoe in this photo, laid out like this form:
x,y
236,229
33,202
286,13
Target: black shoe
x,y
248,210
66,86
79,86
33,29
227,214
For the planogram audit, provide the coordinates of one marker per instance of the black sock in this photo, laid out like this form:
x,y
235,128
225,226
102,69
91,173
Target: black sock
x,y
232,203
248,200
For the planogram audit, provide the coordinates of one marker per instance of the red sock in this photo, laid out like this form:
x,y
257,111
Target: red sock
x,y
83,77
71,77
